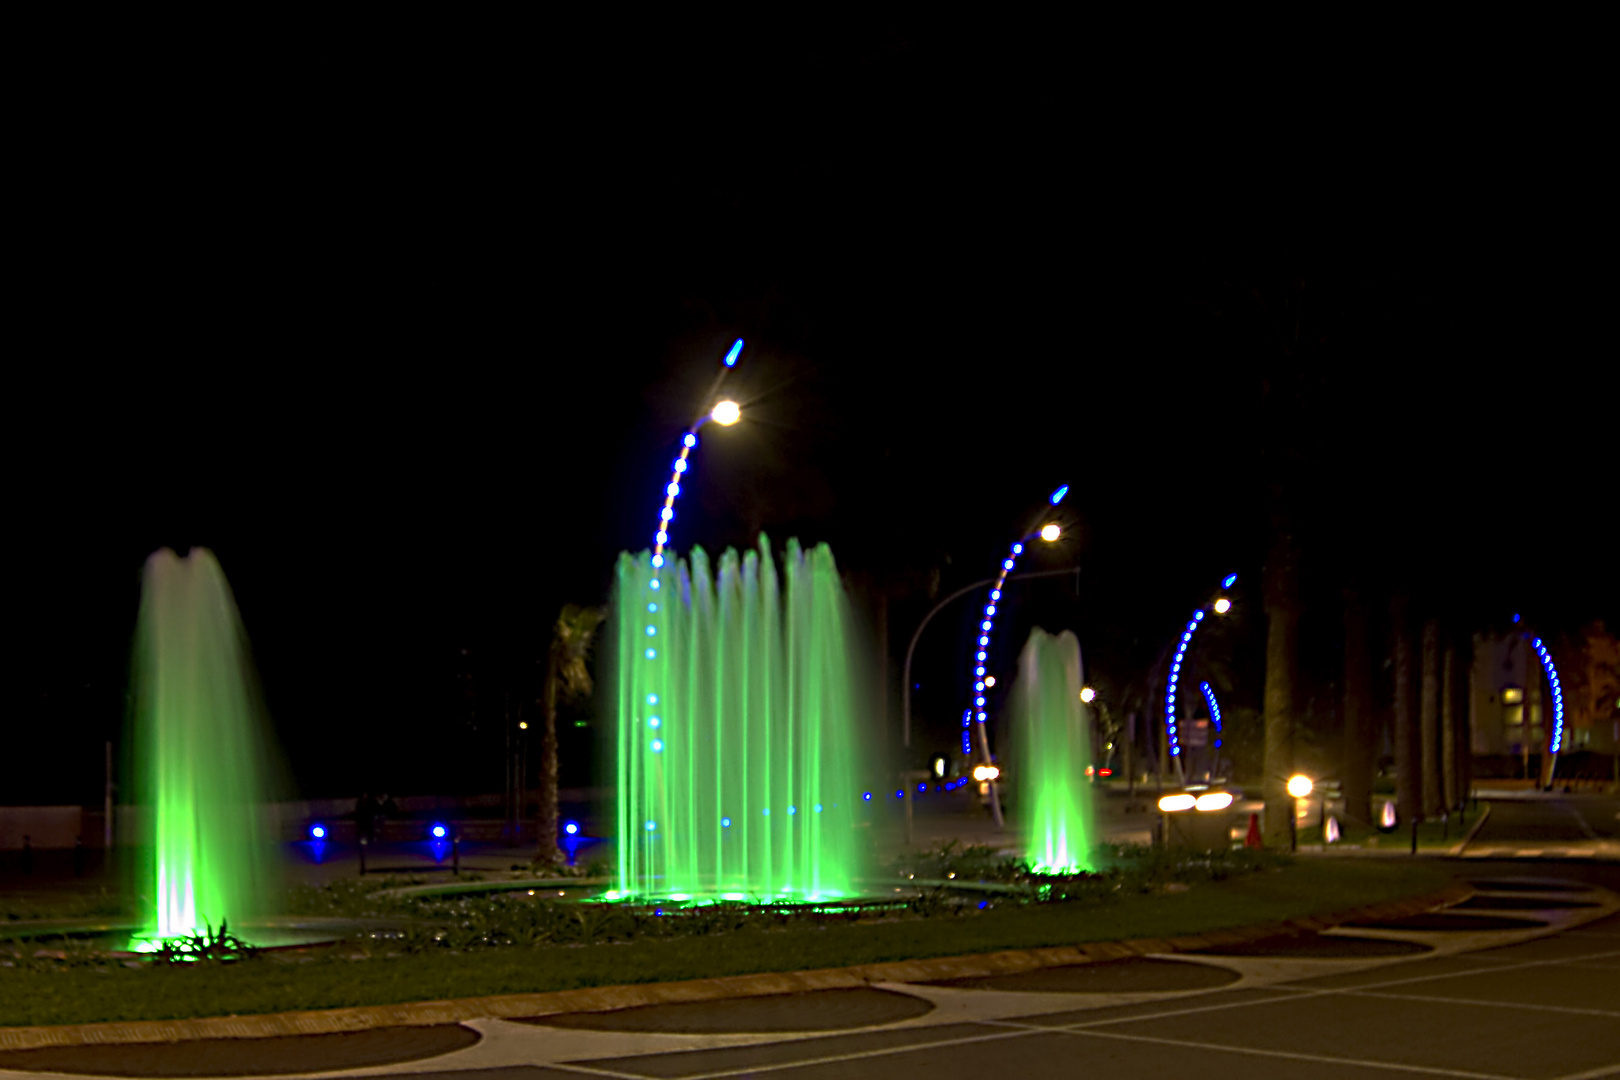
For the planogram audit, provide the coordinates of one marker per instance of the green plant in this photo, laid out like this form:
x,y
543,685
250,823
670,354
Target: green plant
x,y
206,945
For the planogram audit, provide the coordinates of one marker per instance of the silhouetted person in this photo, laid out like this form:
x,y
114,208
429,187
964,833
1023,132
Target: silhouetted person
x,y
365,817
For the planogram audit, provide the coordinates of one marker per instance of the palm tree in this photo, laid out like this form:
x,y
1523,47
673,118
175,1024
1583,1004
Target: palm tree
x,y
567,676
1357,765
1280,589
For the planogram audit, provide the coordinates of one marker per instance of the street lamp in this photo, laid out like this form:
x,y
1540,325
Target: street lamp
x,y
1221,606
726,413
1087,694
973,719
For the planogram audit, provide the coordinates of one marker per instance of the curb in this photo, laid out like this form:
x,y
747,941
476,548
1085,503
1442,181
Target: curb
x,y
605,998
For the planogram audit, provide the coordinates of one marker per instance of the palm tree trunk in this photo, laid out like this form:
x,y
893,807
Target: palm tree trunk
x,y
1281,589
1406,768
546,853
1448,727
1429,721
1358,751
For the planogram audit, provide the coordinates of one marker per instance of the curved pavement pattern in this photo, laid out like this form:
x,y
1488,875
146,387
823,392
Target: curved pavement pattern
x,y
1541,1003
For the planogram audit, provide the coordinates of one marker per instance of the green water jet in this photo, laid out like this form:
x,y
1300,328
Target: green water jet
x,y
736,726
1052,748
196,754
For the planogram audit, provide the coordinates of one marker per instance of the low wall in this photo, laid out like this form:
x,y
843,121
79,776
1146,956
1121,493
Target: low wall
x,y
45,826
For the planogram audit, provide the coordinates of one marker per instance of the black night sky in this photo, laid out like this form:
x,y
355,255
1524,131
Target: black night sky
x,y
415,370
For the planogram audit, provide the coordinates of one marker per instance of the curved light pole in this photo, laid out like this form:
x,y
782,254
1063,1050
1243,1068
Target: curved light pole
x,y
724,413
1220,605
1556,741
977,714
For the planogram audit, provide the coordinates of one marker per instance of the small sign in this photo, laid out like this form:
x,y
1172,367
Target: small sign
x,y
1195,733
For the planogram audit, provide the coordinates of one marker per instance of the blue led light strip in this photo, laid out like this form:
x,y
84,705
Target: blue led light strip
x,y
1214,710
987,626
672,490
1175,673
1557,694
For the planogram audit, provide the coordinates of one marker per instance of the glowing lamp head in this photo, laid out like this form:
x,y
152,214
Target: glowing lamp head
x,y
1087,694
981,773
1051,533
439,832
1057,496
1222,606
317,832
571,828
736,351
989,680
1174,804
1300,786
1214,800
523,725
726,413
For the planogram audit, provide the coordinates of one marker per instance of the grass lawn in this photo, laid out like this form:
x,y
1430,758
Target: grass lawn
x,y
329,978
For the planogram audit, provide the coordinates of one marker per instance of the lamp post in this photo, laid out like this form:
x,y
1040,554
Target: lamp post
x,y
1220,605
724,412
973,720
911,647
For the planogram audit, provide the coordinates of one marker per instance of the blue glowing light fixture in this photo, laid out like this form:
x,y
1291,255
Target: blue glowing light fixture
x,y
736,351
987,626
438,831
1557,694
317,832
1214,710
1182,645
571,828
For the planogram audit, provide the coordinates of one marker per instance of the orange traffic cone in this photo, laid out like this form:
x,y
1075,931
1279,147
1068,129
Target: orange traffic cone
x,y
1252,838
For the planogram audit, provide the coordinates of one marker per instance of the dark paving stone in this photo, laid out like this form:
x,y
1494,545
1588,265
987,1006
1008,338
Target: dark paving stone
x,y
248,1057
510,1072
1529,885
1570,986
816,1010
1318,947
1518,903
1213,1004
1435,920
1466,1036
697,1062
1129,976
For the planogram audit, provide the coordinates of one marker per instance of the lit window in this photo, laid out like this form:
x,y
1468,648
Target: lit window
x,y
1512,695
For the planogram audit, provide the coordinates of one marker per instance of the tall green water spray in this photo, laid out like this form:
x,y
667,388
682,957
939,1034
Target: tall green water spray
x,y
737,721
196,752
1052,747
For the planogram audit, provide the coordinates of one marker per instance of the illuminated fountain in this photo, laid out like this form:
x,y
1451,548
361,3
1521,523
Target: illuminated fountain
x,y
196,755
736,721
1052,747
